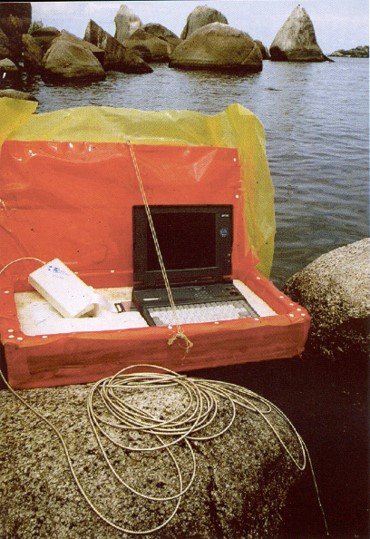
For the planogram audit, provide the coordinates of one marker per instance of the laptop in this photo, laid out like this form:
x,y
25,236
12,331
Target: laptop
x,y
196,247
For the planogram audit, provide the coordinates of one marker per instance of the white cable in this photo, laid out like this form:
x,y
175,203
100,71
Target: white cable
x,y
19,259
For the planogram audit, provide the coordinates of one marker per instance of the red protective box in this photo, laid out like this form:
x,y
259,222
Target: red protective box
x,y
73,201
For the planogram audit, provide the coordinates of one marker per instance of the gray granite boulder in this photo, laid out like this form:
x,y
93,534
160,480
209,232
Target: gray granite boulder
x,y
97,52
10,74
67,60
116,57
296,40
126,23
150,47
219,47
15,20
162,32
240,488
7,66
335,290
264,51
44,36
201,16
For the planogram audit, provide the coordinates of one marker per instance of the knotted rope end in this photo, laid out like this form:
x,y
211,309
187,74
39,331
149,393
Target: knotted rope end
x,y
180,335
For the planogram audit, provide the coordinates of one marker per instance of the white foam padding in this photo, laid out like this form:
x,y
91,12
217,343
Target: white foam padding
x,y
260,306
37,317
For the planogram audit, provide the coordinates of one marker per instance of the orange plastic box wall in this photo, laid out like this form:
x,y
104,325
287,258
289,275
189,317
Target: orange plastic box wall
x,y
74,201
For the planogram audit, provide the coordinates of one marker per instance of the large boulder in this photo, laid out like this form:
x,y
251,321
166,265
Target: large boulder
x,y
150,47
10,75
264,51
116,57
240,488
126,23
15,20
44,36
335,290
98,53
66,60
201,16
220,47
8,66
4,45
162,32
32,54
296,40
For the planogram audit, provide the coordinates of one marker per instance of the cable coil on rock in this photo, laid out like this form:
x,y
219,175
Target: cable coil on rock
x,y
120,409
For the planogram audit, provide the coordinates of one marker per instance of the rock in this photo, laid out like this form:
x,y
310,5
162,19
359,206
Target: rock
x,y
219,47
98,53
116,57
44,36
66,60
8,66
296,40
4,46
240,489
126,23
16,94
201,16
15,20
10,75
163,33
32,54
357,52
150,47
335,290
264,51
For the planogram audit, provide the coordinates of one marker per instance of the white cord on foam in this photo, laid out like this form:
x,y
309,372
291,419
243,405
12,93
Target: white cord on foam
x,y
200,411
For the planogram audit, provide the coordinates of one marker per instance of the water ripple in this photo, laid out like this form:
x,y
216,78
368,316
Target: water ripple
x,y
316,123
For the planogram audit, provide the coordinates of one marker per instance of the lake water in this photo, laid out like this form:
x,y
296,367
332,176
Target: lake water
x,y
316,118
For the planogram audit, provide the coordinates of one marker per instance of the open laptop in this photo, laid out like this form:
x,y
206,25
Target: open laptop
x,y
196,246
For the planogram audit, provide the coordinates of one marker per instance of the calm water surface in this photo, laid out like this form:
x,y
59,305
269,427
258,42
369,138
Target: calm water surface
x,y
317,137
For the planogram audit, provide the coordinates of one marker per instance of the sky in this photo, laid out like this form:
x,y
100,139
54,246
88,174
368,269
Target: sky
x,y
339,24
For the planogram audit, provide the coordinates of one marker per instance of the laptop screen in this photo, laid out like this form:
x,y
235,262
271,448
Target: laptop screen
x,y
195,242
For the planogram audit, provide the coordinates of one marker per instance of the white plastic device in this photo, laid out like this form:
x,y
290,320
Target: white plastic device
x,y
61,287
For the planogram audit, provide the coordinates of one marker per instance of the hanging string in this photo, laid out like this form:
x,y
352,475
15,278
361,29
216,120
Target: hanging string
x,y
180,334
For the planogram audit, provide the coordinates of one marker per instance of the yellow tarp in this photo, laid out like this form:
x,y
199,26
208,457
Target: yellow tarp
x,y
235,127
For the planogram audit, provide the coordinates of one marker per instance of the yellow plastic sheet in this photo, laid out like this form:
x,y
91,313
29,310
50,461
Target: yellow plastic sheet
x,y
13,114
235,127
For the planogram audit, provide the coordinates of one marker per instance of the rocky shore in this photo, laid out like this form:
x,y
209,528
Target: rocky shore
x,y
206,42
357,52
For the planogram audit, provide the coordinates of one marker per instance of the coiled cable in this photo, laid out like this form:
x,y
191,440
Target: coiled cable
x,y
111,406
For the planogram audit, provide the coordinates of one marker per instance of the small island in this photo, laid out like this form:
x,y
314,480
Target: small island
x,y
362,51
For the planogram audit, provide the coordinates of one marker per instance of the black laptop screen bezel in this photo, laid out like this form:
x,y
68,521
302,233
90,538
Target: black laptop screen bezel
x,y
223,241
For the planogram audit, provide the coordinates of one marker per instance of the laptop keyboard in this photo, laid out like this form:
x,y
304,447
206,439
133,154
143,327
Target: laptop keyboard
x,y
202,312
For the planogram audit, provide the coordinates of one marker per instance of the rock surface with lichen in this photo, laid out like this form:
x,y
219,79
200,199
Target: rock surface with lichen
x,y
201,16
334,288
296,40
219,47
116,57
240,488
